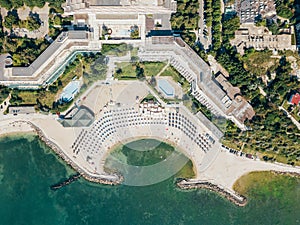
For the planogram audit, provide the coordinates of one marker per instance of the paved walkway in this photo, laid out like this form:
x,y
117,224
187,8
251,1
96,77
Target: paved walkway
x,y
291,117
163,69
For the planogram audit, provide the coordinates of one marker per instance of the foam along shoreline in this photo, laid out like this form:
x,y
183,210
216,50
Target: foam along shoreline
x,y
111,179
9,128
232,196
24,126
27,126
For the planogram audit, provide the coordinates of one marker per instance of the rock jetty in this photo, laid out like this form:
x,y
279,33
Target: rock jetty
x,y
235,198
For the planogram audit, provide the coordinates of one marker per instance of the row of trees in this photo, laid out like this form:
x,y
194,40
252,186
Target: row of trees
x,y
4,92
216,25
208,12
186,17
1,35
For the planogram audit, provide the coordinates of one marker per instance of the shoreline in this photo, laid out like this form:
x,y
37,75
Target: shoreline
x,y
17,133
15,128
109,179
27,127
167,141
189,184
231,195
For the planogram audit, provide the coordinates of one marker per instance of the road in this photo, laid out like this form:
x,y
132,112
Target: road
x,y
204,40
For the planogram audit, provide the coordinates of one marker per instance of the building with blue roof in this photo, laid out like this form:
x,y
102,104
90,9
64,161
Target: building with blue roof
x,y
166,88
70,91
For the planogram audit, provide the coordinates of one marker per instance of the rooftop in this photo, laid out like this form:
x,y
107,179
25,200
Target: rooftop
x,y
249,35
21,109
104,2
70,90
29,70
295,99
249,10
166,88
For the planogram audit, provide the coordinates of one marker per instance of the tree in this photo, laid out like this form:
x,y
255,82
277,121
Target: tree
x,y
57,20
12,19
284,11
33,23
119,71
134,59
53,88
6,4
139,72
153,81
230,26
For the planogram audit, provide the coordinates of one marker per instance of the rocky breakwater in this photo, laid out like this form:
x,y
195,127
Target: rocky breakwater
x,y
235,198
112,179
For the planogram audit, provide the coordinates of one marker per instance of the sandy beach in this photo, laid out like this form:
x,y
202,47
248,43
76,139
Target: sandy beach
x,y
14,127
219,173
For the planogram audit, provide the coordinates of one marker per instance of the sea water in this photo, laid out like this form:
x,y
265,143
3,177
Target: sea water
x,y
28,168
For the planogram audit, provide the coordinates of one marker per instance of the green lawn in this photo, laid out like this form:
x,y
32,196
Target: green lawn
x,y
264,183
126,70
295,113
116,49
152,68
134,52
170,71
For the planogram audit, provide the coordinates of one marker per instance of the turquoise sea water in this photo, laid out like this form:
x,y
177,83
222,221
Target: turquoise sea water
x,y
28,168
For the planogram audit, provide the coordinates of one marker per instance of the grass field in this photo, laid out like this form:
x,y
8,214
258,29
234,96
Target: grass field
x,y
273,183
170,71
260,153
30,97
116,49
152,68
260,62
126,70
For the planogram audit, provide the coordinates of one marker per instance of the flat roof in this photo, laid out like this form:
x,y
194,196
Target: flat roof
x,y
21,109
166,87
70,89
77,34
36,64
105,2
28,71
